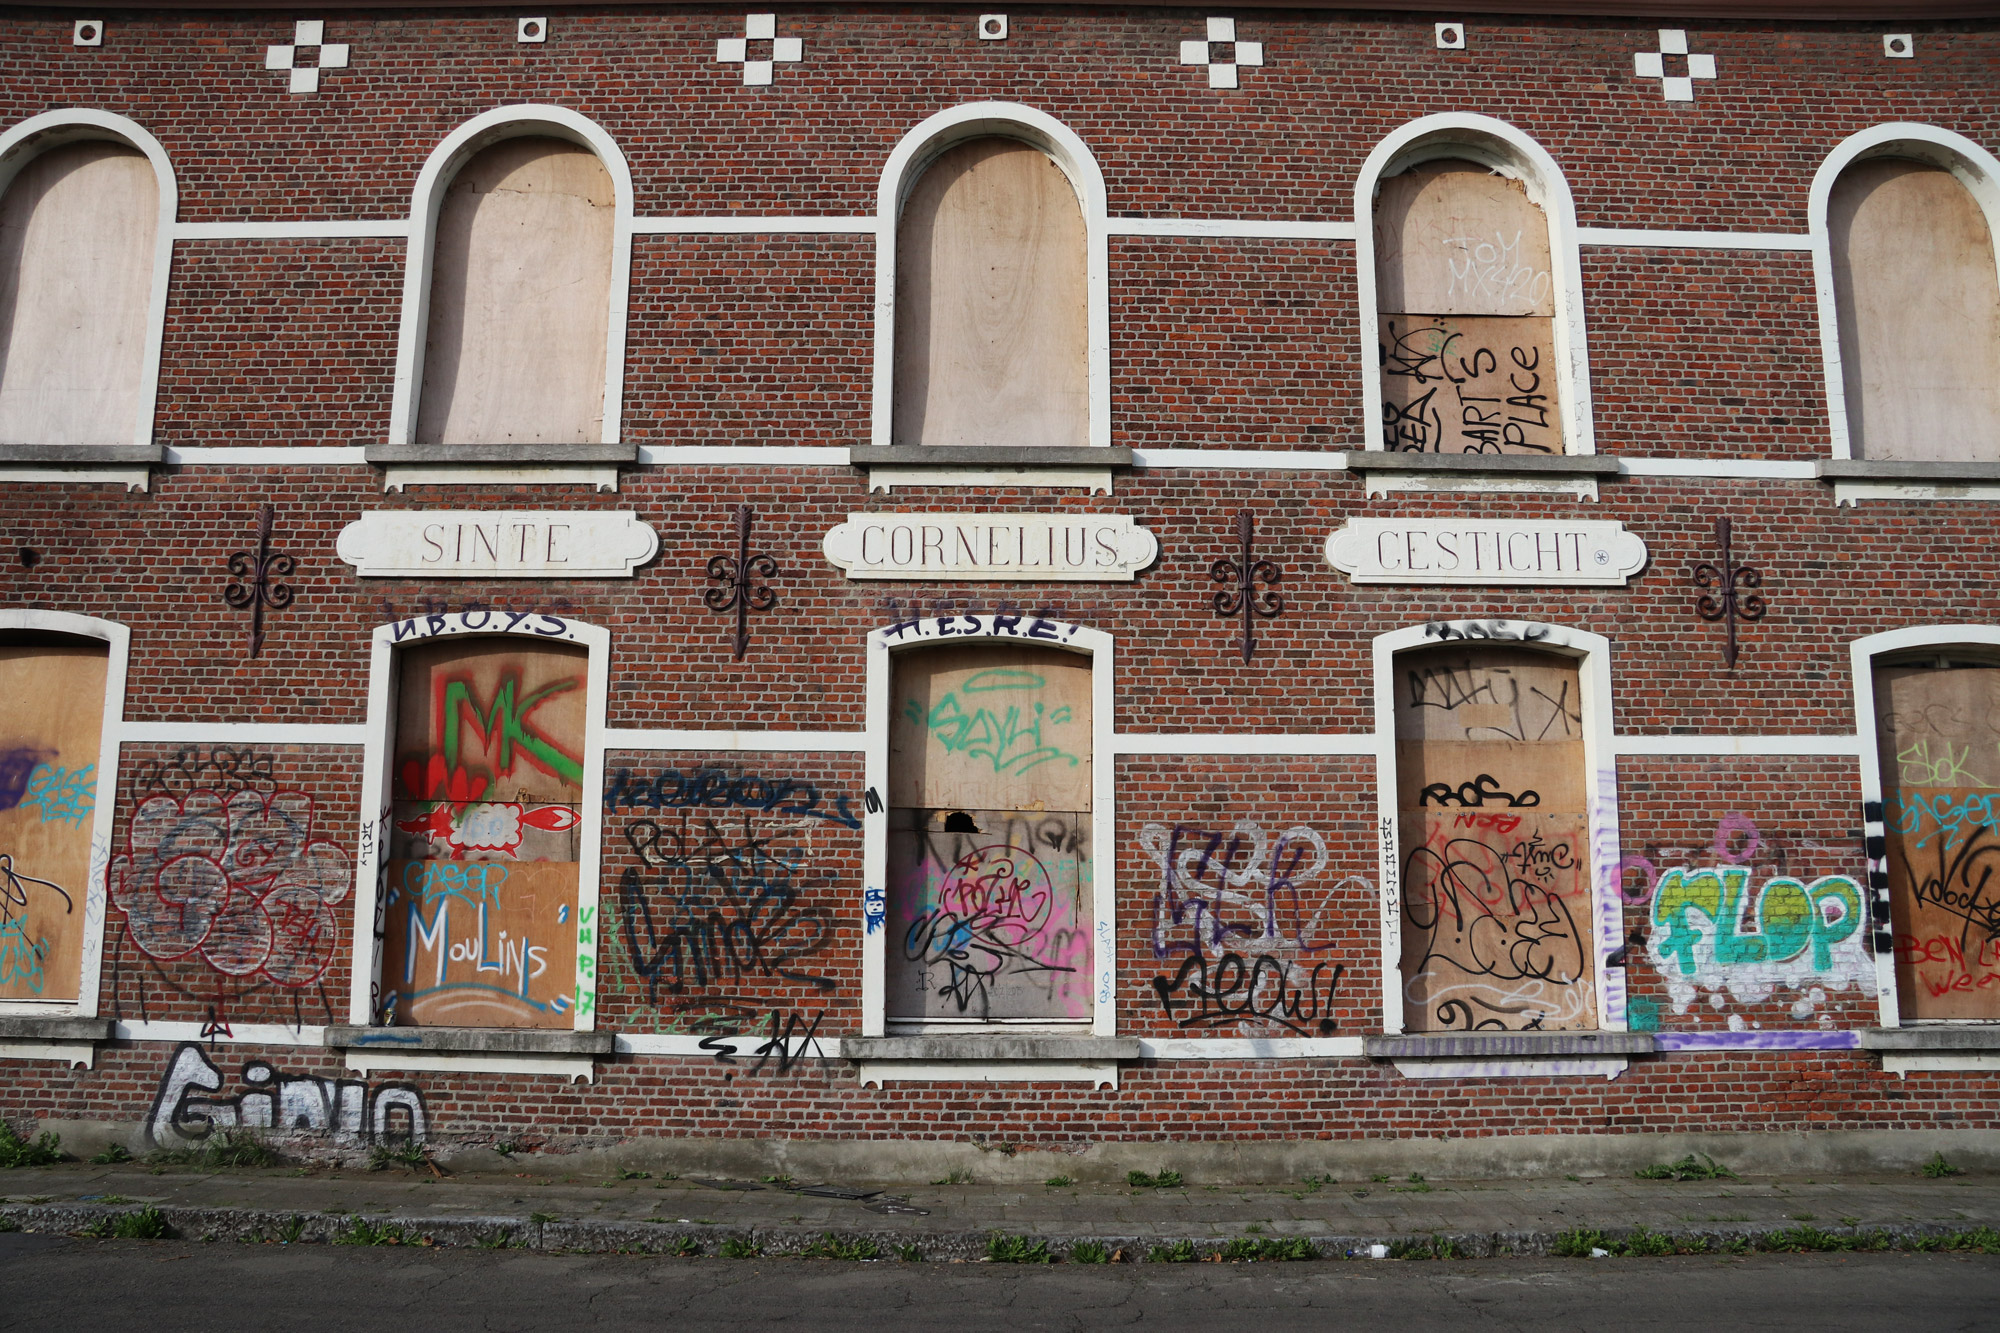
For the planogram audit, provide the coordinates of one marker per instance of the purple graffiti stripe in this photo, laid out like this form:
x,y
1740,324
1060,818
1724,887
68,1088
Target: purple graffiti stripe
x,y
17,766
1757,1041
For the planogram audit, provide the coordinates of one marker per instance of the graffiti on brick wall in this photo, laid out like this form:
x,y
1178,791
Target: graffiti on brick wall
x,y
714,789
237,880
190,1104
1740,928
1247,910
715,912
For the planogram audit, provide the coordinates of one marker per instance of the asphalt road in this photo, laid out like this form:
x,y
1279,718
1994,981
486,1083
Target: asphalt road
x,y
59,1283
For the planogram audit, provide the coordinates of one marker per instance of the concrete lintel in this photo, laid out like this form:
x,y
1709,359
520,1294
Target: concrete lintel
x,y
80,455
989,1046
975,456
1498,1045
33,1027
1399,460
511,1041
502,453
1896,469
1985,1037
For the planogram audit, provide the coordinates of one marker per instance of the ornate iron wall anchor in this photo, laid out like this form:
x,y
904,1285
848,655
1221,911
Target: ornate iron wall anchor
x,y
1723,604
1247,599
734,591
255,586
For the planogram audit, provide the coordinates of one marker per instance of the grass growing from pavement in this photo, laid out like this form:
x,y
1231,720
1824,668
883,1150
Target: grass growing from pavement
x,y
225,1148
1256,1249
360,1231
1686,1169
1938,1168
1165,1180
146,1224
42,1150
1017,1250
831,1246
117,1154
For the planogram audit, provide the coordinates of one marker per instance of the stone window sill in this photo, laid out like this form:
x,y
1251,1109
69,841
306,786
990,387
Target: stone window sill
x,y
83,454
893,466
565,1054
501,454
70,1041
1391,470
1931,1040
1508,1045
977,1057
1896,469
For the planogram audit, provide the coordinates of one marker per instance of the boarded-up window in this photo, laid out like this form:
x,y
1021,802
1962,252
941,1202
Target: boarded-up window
x,y
990,313
1490,794
1919,304
989,835
520,299
1938,738
51,725
1465,296
77,227
481,900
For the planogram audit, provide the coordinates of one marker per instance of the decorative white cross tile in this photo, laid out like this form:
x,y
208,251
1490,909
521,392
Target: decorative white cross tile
x,y
1221,71
308,36
761,29
1653,65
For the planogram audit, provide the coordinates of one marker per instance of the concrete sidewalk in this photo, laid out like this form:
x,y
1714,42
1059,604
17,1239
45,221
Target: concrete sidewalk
x,y
547,1211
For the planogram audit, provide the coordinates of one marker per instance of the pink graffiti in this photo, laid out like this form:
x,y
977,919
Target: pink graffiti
x,y
1726,828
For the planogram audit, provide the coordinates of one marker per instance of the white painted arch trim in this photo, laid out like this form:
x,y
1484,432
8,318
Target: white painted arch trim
x,y
1976,169
377,774
883,644
118,639
1496,144
1861,659
28,139
483,131
1593,654
917,150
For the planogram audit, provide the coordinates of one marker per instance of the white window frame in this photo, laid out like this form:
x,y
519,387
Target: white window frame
x,y
1021,630
1862,655
1592,653
1975,168
378,774
1503,148
906,165
92,896
427,199
29,139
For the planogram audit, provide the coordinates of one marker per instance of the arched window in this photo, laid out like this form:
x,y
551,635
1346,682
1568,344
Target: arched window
x,y
1465,301
79,224
1917,293
515,349
991,308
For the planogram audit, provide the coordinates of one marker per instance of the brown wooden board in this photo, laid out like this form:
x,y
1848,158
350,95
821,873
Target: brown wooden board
x,y
480,944
1465,384
1492,829
991,726
989,915
1938,742
1919,310
51,728
1455,238
991,330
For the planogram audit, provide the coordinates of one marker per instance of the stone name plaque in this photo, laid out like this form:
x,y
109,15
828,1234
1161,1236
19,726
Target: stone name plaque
x,y
497,544
1026,547
1587,553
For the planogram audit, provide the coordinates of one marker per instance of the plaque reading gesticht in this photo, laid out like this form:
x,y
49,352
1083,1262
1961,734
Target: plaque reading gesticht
x,y
502,544
1029,547
1587,553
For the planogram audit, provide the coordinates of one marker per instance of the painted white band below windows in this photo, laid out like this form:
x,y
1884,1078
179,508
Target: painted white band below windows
x,y
743,455
1842,747
730,224
806,742
1721,469
250,230
244,733
1230,228
263,1034
1248,743
1643,238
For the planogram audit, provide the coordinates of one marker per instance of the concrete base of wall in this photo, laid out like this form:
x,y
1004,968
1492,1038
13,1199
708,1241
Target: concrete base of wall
x,y
901,1162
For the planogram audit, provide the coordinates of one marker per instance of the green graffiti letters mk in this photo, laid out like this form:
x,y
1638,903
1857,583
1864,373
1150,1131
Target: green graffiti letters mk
x,y
1790,915
506,723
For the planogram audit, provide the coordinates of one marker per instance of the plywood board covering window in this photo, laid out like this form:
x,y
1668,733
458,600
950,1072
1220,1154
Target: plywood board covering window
x,y
520,299
77,228
481,892
1938,744
1492,827
1918,298
990,905
991,339
1465,292
51,727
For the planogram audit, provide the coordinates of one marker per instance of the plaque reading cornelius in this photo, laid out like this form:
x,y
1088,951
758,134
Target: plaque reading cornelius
x,y
1067,547
1587,553
483,543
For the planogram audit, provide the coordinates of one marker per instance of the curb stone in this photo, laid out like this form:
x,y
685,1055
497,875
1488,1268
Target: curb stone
x,y
660,1238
